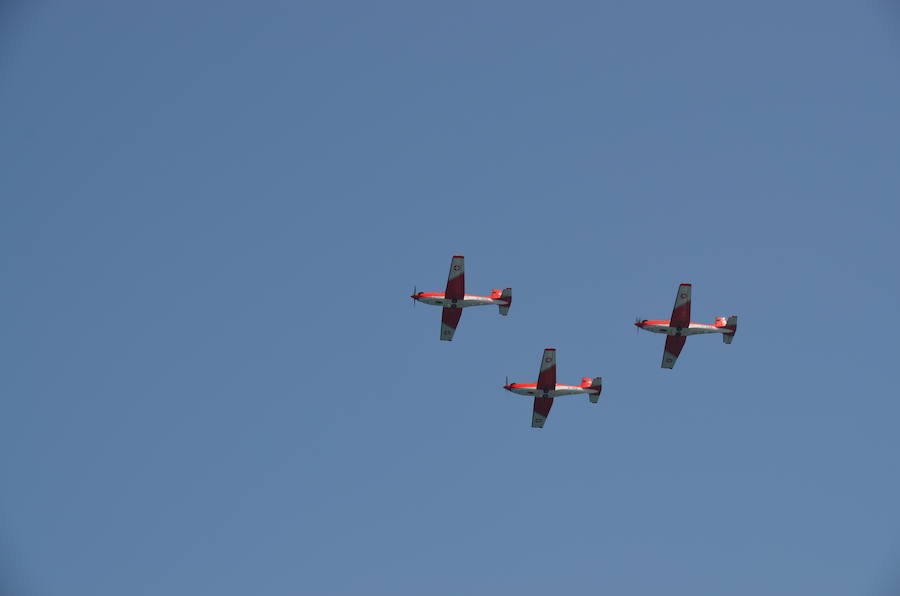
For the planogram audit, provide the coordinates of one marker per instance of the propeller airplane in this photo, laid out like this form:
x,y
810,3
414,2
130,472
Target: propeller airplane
x,y
546,388
680,326
454,299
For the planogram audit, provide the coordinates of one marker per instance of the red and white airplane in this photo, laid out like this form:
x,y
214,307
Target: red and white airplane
x,y
680,326
454,299
546,388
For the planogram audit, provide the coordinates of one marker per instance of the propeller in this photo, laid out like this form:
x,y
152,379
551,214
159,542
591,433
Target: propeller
x,y
413,296
637,325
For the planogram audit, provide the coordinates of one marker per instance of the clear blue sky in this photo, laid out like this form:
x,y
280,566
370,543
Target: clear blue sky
x,y
213,381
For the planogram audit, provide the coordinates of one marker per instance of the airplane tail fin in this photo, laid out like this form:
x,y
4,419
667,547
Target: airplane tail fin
x,y
507,296
731,323
595,385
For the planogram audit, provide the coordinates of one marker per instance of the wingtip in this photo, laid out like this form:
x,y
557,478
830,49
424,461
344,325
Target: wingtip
x,y
549,349
458,257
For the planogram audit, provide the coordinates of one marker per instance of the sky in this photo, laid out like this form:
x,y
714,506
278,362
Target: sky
x,y
214,381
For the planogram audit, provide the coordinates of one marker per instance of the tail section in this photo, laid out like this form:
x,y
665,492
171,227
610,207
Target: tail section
x,y
505,295
731,324
595,386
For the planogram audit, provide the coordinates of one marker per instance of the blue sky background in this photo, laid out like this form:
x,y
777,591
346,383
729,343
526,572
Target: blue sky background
x,y
211,216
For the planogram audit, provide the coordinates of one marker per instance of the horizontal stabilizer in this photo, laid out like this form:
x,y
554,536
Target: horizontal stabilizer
x,y
507,296
730,324
596,387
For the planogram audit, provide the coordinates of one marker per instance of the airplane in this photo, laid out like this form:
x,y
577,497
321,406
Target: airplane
x,y
454,299
546,388
680,326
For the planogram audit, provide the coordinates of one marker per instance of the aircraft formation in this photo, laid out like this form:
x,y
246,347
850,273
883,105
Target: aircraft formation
x,y
546,389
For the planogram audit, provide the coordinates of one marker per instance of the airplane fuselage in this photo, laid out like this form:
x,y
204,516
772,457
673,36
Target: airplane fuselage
x,y
692,329
532,390
438,299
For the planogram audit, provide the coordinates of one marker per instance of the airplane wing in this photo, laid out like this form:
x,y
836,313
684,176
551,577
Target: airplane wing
x,y
674,343
456,281
547,377
449,321
681,314
542,407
